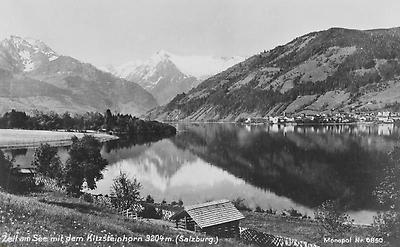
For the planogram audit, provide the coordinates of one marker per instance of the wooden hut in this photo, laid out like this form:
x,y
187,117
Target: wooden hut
x,y
217,218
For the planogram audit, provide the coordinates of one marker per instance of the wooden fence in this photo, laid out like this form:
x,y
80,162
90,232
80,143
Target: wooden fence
x,y
129,213
100,200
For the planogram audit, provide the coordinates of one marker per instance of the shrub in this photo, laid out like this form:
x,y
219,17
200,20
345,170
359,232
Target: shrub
x,y
388,195
239,203
332,217
87,197
259,209
149,199
294,213
270,211
150,212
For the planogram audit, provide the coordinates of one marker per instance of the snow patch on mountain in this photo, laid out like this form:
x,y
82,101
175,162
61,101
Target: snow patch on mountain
x,y
26,60
204,66
28,52
124,70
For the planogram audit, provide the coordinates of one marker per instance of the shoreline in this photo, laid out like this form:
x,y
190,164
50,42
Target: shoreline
x,y
20,138
267,123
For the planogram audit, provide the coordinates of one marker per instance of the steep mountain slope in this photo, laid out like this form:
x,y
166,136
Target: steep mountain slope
x,y
318,72
165,74
33,76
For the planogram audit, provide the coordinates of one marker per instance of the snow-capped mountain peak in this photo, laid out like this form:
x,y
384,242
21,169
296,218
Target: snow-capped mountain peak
x,y
28,53
197,66
166,74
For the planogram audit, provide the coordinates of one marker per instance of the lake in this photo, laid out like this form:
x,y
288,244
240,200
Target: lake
x,y
271,166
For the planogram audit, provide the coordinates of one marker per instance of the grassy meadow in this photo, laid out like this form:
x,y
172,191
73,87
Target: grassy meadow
x,y
53,214
17,138
301,229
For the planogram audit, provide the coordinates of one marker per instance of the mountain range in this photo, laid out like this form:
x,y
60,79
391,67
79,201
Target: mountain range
x,y
165,74
35,77
321,72
327,71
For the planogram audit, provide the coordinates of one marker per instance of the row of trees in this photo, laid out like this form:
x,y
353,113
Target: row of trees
x,y
118,123
133,126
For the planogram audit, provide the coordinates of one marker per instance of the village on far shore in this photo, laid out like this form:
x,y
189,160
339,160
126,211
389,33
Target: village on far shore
x,y
386,117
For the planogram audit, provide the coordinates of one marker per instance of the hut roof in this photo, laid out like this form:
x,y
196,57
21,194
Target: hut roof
x,y
211,213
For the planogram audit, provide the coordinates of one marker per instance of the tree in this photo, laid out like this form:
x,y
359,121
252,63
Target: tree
x,y
47,162
333,218
16,119
149,199
54,121
67,121
108,120
388,195
5,170
125,191
84,165
9,181
93,120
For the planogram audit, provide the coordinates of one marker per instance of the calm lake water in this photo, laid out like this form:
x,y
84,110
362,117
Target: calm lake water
x,y
278,167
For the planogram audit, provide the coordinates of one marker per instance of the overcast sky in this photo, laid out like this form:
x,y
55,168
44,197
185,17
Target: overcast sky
x,y
116,31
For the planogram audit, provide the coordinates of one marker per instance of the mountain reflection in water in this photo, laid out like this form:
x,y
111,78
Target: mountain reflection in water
x,y
277,167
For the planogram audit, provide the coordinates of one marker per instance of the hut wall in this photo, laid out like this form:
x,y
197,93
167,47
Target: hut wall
x,y
226,230
186,223
181,223
190,224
